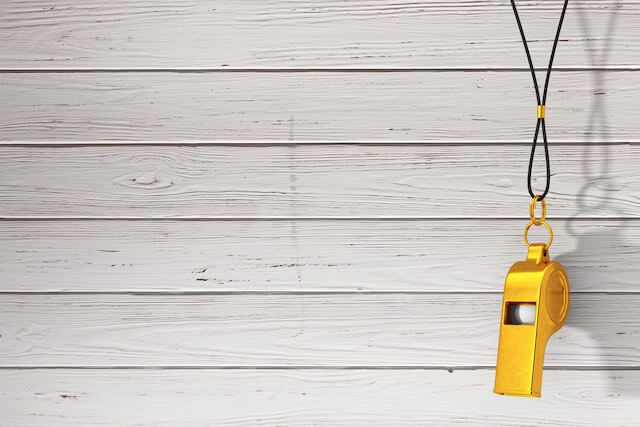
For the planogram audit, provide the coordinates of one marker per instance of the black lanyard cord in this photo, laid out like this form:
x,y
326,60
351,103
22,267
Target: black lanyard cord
x,y
541,101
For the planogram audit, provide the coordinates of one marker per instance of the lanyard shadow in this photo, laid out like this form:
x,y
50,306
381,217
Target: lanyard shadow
x,y
603,258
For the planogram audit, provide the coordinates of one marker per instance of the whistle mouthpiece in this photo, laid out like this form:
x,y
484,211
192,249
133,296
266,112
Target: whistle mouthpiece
x,y
534,307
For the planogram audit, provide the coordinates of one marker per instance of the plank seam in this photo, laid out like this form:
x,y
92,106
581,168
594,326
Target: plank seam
x,y
288,143
310,70
304,218
213,292
451,369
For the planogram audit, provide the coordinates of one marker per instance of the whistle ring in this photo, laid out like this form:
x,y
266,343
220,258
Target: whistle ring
x,y
532,211
528,227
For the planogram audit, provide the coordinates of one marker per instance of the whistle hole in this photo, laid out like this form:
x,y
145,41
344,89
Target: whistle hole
x,y
520,313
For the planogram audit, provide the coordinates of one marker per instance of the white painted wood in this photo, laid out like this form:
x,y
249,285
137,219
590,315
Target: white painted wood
x,y
298,330
262,276
310,397
314,181
329,106
317,255
74,34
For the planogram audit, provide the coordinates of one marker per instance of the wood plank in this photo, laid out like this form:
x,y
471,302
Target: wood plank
x,y
354,330
317,106
74,34
318,255
310,397
313,181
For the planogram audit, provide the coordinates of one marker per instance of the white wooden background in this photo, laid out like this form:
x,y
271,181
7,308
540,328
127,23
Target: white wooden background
x,y
294,212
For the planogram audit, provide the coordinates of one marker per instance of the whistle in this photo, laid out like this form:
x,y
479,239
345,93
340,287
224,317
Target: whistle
x,y
534,306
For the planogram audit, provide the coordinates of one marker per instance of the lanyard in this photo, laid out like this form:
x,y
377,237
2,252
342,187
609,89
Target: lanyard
x,y
540,123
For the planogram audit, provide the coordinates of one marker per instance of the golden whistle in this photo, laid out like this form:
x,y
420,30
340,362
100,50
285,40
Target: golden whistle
x,y
534,306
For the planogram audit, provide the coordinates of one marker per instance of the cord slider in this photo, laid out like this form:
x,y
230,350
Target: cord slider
x,y
541,111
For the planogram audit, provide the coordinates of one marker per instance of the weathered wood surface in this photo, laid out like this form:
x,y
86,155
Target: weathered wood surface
x,y
302,34
299,330
299,255
424,181
310,397
325,106
267,283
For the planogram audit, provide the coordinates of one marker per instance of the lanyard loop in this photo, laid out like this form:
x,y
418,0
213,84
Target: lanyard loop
x,y
540,124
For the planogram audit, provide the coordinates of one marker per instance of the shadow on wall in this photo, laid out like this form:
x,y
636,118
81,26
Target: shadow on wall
x,y
604,243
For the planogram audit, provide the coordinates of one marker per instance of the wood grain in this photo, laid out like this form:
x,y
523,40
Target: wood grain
x,y
294,330
299,255
222,248
316,106
335,181
310,397
77,34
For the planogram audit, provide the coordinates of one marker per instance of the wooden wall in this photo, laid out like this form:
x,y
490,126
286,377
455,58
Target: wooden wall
x,y
294,212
